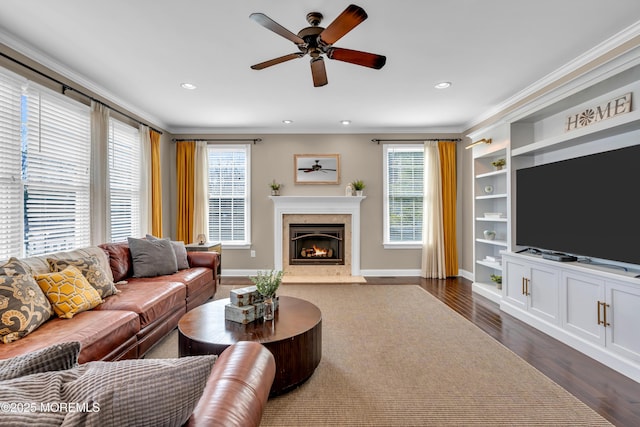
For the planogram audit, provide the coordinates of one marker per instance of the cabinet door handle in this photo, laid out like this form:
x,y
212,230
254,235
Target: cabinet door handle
x,y
603,320
523,291
604,312
526,288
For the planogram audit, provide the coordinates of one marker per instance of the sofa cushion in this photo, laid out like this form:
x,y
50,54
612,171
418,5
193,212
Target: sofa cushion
x,y
54,358
154,392
99,333
68,291
179,249
152,257
91,269
120,262
23,305
150,298
38,264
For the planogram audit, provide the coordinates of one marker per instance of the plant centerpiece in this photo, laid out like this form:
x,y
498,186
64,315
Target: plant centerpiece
x,y
275,188
358,186
499,164
267,284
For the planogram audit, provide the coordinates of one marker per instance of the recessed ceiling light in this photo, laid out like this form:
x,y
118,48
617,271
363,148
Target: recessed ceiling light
x,y
188,86
443,85
345,122
287,122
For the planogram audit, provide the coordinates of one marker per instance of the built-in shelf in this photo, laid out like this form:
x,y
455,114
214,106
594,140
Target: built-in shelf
x,y
614,126
492,196
492,173
491,219
490,264
493,242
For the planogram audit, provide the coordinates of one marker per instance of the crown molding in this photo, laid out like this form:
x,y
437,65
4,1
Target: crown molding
x,y
583,64
53,65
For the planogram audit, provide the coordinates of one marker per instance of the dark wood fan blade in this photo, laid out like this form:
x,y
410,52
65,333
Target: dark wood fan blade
x,y
272,25
275,61
318,72
357,57
351,17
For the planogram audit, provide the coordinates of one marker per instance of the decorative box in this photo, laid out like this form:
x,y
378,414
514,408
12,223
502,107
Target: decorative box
x,y
244,315
245,296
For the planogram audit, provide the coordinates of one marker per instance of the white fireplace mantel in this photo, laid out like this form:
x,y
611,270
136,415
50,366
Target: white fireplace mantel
x,y
349,205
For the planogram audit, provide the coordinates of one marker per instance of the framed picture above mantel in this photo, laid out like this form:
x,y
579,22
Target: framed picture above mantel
x,y
316,168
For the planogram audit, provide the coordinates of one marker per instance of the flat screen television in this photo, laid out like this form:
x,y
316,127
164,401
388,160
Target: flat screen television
x,y
586,206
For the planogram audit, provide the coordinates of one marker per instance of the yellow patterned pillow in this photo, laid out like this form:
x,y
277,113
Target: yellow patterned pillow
x,y
68,291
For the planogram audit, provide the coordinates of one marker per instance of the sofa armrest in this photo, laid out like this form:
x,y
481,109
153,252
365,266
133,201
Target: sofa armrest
x,y
238,387
204,259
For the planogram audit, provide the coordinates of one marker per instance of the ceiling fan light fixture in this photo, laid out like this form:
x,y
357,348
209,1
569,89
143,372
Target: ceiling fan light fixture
x,y
188,86
443,85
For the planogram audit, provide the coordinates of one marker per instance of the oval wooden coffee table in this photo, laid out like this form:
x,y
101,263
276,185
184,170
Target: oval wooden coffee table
x,y
294,337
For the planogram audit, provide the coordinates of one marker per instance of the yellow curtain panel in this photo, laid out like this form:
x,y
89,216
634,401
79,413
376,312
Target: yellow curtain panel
x,y
447,152
185,170
156,185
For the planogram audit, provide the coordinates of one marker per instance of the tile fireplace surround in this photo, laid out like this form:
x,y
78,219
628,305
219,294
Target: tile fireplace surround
x,y
317,209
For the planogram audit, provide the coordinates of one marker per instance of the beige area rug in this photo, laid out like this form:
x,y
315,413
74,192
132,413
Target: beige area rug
x,y
393,355
323,279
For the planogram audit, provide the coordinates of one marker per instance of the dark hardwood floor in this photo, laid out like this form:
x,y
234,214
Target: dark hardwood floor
x,y
612,395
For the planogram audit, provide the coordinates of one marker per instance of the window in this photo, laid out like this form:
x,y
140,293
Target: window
x,y
10,185
229,194
403,194
125,157
56,143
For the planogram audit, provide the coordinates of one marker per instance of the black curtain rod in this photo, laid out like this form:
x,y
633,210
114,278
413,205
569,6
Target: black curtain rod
x,y
416,140
66,87
254,140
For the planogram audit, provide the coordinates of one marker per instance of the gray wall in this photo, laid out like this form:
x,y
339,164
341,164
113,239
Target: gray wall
x,y
272,158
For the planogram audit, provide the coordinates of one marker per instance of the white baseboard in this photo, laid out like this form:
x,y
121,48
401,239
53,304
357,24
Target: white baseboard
x,y
370,273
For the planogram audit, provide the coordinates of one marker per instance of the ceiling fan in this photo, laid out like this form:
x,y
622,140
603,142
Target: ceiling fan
x,y
316,41
315,168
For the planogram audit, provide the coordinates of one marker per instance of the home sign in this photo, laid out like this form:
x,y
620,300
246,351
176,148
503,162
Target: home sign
x,y
591,115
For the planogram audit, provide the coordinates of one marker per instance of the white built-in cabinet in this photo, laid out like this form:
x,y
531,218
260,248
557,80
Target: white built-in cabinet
x,y
532,287
593,308
604,312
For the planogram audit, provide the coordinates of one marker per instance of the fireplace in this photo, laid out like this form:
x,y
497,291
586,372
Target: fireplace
x,y
316,244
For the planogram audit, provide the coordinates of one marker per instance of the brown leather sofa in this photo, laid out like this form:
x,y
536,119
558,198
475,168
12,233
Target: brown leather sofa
x,y
237,389
128,324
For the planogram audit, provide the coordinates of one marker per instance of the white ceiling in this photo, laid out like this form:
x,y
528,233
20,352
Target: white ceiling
x,y
137,52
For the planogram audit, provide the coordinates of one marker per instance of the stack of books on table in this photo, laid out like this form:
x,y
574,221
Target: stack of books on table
x,y
246,305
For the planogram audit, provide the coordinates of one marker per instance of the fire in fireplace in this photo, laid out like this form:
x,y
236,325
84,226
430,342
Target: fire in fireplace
x,y
321,244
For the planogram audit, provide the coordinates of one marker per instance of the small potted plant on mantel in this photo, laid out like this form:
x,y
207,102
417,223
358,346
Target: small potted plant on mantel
x,y
267,284
275,188
358,186
499,164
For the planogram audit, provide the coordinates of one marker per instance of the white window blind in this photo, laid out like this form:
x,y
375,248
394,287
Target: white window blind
x,y
125,157
10,163
229,194
55,172
404,188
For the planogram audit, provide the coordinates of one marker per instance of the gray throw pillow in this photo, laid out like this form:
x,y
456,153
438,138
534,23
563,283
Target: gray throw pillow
x,y
150,392
57,357
152,257
179,249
